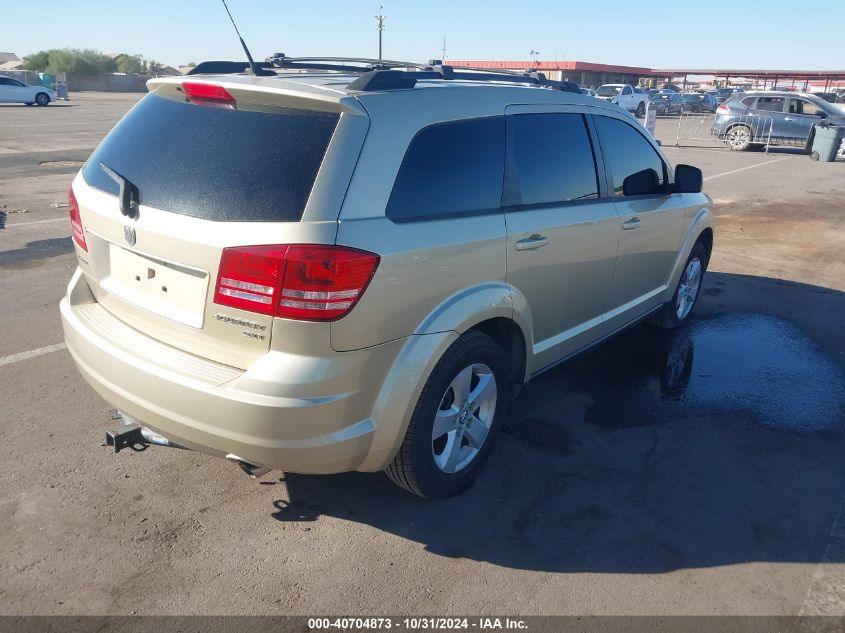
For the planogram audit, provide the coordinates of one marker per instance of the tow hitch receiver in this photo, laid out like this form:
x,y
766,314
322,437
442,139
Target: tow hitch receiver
x,y
126,436
132,435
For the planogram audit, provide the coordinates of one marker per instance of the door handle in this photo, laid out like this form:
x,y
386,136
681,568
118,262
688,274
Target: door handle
x,y
633,223
532,243
786,118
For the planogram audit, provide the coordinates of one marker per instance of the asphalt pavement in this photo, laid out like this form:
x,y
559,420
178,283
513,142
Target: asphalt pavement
x,y
693,472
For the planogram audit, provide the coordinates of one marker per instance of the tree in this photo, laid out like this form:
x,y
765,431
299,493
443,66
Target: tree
x,y
152,66
37,61
129,64
70,60
80,61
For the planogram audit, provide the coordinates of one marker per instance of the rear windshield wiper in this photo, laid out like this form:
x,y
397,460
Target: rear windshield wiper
x,y
128,196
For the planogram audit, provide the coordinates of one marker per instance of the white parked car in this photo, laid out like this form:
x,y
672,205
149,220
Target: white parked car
x,y
14,91
625,96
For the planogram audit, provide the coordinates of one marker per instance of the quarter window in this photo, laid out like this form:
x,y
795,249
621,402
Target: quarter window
x,y
451,169
627,152
550,160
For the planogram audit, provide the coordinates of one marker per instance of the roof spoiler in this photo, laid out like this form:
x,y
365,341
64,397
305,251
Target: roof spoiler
x,y
224,67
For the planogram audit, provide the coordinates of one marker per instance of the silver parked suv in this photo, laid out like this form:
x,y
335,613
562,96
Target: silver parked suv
x,y
332,271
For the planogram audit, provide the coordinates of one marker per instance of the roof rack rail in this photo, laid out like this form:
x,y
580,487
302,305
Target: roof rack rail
x,y
387,74
365,64
398,79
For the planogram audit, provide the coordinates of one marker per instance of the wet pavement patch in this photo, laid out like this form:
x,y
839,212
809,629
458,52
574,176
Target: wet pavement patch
x,y
733,363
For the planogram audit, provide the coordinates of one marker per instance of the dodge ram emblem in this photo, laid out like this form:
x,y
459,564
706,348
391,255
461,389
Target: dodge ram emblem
x,y
129,235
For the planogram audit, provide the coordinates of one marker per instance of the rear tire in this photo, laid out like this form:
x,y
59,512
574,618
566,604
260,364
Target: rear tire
x,y
441,466
640,113
677,312
739,138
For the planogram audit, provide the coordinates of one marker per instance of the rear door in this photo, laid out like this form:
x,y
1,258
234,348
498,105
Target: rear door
x,y
650,225
562,234
209,175
771,109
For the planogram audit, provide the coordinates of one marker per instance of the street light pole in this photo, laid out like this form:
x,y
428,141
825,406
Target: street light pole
x,y
380,21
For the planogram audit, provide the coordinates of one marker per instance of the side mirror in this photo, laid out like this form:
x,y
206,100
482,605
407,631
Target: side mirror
x,y
641,183
821,114
688,179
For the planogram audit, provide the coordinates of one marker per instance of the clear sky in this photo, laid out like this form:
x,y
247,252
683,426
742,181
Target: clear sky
x,y
771,34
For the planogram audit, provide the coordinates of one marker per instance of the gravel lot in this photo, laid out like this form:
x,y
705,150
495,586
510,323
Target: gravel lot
x,y
696,472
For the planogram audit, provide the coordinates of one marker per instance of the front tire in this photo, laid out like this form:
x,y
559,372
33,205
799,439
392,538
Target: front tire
x,y
455,422
42,98
640,113
677,312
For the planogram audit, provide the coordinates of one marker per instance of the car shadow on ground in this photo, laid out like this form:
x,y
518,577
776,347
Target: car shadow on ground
x,y
35,251
717,444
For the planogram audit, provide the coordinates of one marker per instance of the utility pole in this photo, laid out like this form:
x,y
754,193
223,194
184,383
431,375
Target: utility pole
x,y
443,56
380,21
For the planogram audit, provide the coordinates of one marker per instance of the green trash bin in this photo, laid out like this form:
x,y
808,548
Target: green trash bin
x,y
46,80
827,139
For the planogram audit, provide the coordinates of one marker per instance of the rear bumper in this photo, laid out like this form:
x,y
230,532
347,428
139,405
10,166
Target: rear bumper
x,y
307,415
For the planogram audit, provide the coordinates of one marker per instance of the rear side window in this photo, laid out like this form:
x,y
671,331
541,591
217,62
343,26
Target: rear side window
x,y
770,104
626,152
216,163
550,160
451,169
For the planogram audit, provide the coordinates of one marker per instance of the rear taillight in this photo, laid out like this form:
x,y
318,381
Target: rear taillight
x,y
723,109
76,220
302,281
208,94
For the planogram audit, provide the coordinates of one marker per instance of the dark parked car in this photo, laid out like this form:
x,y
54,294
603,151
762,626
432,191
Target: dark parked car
x,y
747,119
723,94
830,97
666,103
698,102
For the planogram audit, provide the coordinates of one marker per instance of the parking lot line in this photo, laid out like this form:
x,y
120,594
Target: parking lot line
x,y
36,222
734,171
14,358
826,595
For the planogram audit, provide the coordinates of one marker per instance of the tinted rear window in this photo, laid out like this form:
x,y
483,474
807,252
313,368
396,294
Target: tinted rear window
x,y
451,169
216,163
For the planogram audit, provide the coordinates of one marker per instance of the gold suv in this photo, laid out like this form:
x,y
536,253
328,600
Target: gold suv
x,y
330,271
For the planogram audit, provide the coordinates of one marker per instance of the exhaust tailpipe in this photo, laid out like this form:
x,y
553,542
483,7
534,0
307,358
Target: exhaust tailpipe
x,y
250,469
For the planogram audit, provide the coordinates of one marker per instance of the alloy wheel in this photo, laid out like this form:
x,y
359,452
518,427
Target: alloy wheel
x,y
464,417
738,137
688,288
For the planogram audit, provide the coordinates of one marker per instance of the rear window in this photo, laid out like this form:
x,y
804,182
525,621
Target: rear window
x,y
215,163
